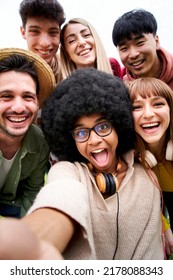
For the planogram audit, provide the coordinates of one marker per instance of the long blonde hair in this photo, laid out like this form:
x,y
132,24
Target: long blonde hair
x,y
67,66
147,87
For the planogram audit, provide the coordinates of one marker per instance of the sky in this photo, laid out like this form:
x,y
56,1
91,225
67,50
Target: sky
x,y
100,13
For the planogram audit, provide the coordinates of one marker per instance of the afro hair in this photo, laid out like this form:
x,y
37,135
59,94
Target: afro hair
x,y
85,92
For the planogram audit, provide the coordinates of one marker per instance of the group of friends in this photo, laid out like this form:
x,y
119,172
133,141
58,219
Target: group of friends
x,y
86,145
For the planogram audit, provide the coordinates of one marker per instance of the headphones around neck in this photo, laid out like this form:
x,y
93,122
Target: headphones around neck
x,y
107,183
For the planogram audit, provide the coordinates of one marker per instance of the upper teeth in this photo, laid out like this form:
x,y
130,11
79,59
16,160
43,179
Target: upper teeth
x,y
44,52
17,119
136,64
97,151
84,52
150,124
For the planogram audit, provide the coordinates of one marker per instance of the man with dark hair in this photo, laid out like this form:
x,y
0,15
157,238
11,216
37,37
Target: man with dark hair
x,y
41,25
25,81
135,36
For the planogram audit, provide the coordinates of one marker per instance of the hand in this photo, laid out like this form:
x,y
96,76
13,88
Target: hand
x,y
18,242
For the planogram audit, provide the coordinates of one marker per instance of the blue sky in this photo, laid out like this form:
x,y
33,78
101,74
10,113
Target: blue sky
x,y
101,13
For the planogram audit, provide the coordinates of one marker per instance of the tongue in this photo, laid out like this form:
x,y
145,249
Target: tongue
x,y
100,157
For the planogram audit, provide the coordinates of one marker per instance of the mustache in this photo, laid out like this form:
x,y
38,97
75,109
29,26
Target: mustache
x,y
12,113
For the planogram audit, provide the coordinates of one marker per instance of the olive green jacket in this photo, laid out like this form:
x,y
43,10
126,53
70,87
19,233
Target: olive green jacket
x,y
26,176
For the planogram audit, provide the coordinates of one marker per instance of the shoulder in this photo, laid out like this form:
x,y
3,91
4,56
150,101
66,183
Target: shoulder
x,y
146,180
163,52
66,170
36,132
116,68
35,129
139,176
35,138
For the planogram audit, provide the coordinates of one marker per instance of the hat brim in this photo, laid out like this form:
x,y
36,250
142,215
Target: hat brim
x,y
45,74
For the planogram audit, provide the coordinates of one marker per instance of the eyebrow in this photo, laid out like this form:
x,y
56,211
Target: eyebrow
x,y
96,121
38,27
9,91
73,34
132,38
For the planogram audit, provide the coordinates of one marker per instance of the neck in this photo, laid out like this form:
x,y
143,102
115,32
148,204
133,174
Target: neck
x,y
120,170
118,167
158,149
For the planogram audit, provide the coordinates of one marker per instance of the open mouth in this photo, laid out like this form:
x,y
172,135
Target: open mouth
x,y
44,52
137,64
17,120
150,125
100,155
84,52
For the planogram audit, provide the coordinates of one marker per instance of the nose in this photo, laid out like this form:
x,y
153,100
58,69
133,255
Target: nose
x,y
94,138
81,41
44,40
148,111
133,52
18,105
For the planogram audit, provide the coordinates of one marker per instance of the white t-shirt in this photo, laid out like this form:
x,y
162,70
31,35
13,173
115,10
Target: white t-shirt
x,y
5,167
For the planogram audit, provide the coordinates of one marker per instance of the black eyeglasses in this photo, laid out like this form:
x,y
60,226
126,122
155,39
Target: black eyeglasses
x,y
101,129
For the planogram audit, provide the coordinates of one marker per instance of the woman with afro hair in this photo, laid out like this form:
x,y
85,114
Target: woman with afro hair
x,y
97,203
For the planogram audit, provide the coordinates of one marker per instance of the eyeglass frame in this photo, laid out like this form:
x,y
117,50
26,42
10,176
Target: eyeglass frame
x,y
92,129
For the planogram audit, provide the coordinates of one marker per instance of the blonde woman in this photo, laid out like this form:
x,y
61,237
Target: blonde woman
x,y
82,47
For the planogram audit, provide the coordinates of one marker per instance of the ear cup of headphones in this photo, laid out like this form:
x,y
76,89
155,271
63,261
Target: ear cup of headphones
x,y
106,183
112,185
101,182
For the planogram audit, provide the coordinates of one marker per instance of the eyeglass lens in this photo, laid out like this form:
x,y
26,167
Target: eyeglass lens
x,y
101,129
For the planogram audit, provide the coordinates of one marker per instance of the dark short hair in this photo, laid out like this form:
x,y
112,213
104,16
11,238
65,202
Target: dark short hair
x,y
50,9
19,63
137,21
85,92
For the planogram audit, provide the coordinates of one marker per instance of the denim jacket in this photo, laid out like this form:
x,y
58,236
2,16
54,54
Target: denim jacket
x,y
26,176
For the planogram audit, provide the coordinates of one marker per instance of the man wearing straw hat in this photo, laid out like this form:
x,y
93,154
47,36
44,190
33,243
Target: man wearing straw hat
x,y
25,82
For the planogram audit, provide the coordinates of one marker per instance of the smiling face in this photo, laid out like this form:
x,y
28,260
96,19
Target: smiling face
x,y
42,36
151,119
18,103
100,151
139,55
80,46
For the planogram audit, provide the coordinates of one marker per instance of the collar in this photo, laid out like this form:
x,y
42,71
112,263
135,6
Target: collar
x,y
31,139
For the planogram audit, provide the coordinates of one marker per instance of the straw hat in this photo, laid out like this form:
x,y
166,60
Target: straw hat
x,y
45,74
